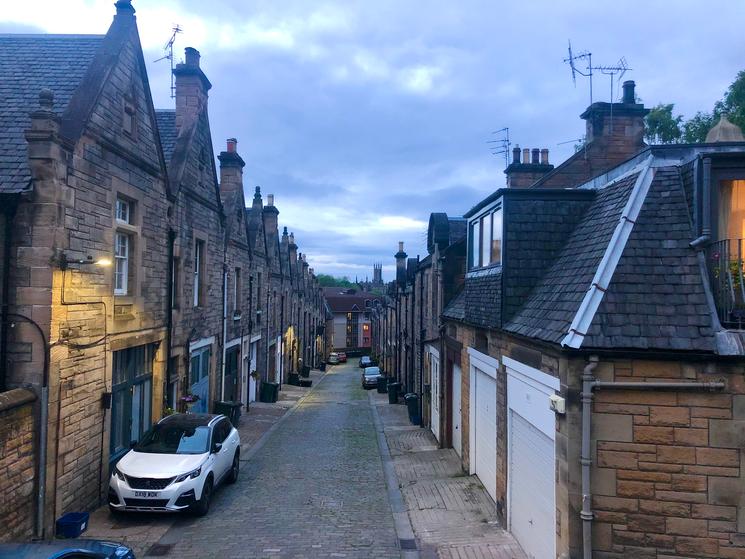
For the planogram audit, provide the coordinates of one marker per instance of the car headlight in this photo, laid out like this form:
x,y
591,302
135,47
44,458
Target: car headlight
x,y
116,473
193,475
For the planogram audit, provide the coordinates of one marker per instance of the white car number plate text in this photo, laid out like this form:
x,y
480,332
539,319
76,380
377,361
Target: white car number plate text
x,y
146,493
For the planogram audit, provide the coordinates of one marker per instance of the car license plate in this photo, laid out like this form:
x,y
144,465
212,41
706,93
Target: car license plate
x,y
146,494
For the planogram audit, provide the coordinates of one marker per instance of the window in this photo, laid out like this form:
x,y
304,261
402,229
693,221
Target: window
x,y
475,245
237,290
198,273
732,210
486,240
121,258
124,211
131,413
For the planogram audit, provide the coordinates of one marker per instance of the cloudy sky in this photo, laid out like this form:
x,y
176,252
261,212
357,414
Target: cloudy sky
x,y
364,117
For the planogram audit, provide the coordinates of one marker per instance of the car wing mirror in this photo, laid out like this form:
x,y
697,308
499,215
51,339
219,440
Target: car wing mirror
x,y
216,448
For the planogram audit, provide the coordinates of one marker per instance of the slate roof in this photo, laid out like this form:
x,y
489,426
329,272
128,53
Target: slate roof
x,y
28,64
340,301
656,297
456,309
166,119
549,310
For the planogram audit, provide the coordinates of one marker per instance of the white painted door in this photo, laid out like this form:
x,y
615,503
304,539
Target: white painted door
x,y
485,431
456,434
435,395
532,491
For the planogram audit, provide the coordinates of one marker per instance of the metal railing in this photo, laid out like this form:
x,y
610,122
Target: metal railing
x,y
727,277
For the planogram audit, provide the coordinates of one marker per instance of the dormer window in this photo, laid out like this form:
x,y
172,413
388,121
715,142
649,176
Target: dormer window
x,y
485,238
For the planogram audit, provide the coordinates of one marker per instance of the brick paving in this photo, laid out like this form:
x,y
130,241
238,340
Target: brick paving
x,y
142,531
451,513
315,488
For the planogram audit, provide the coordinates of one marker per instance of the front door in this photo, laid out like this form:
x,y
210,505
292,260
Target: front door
x,y
231,374
435,396
199,372
132,395
456,436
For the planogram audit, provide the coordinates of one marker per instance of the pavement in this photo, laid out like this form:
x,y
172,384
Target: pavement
x,y
333,471
451,513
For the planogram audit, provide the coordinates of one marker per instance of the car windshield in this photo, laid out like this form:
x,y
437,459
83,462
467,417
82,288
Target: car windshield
x,y
372,371
175,439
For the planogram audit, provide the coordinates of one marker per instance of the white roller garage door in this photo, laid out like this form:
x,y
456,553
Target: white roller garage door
x,y
531,459
531,488
485,435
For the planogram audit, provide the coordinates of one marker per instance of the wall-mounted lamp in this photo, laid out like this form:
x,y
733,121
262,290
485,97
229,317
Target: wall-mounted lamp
x,y
65,263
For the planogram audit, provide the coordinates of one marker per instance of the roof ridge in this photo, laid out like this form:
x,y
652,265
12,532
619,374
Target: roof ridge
x,y
52,36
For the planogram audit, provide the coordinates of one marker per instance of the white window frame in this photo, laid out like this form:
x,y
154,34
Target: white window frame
x,y
123,211
121,259
236,282
481,231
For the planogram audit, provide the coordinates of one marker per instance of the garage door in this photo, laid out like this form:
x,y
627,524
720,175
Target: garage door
x,y
456,407
532,490
435,394
485,436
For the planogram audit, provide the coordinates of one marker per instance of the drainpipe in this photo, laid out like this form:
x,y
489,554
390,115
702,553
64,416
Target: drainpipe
x,y
169,312
250,335
585,459
706,204
9,214
589,384
421,350
224,326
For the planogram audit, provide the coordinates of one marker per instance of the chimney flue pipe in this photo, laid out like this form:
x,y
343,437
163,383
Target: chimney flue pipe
x,y
535,156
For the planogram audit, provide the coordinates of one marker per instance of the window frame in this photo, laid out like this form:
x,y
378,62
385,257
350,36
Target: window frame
x,y
122,260
200,249
481,228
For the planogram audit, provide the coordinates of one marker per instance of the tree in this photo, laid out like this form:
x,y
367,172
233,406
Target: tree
x,y
661,126
696,128
326,280
664,128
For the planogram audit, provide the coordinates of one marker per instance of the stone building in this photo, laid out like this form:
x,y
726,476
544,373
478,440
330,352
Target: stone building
x,y
351,310
601,366
83,183
130,276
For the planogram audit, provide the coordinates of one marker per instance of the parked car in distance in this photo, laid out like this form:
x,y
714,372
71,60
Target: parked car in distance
x,y
333,358
342,357
365,361
177,465
66,549
370,376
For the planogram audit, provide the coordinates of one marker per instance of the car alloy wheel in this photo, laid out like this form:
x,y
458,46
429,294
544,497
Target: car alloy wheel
x,y
235,468
202,506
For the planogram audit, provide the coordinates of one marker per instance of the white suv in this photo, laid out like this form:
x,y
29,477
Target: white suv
x,y
177,465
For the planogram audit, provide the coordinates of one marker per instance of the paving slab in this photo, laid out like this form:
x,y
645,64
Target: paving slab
x,y
451,513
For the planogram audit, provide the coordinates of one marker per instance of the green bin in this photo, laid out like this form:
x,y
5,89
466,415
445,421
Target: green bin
x,y
269,392
393,388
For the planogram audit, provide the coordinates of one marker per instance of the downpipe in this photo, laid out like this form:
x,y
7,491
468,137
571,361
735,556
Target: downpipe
x,y
589,385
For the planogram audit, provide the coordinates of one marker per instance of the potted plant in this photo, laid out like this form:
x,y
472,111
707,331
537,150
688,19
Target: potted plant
x,y
188,401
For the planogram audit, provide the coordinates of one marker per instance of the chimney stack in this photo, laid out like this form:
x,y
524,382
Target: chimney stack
x,y
401,265
629,97
292,248
269,214
231,168
191,88
533,166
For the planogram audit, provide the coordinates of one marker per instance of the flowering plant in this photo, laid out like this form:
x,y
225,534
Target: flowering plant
x,y
190,398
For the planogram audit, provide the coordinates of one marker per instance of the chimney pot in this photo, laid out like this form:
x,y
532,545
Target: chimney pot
x,y
544,156
535,153
124,7
232,144
516,154
46,99
400,246
629,97
270,199
526,155
192,57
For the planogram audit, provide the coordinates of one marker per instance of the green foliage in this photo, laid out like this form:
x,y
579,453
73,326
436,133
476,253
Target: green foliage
x,y
664,128
326,280
661,126
696,128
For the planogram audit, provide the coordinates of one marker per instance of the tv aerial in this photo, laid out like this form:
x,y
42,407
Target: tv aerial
x,y
615,72
168,48
501,144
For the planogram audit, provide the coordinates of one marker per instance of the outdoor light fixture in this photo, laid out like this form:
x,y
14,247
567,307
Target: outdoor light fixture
x,y
65,263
